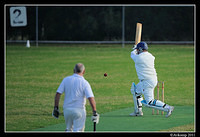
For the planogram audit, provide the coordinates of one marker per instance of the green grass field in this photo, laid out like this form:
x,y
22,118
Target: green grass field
x,y
34,74
120,121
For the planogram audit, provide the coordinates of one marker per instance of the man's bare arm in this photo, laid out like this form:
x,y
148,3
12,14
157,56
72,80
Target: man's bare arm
x,y
56,105
57,98
92,103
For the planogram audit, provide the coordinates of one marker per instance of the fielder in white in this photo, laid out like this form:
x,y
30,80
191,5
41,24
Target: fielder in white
x,y
76,90
144,64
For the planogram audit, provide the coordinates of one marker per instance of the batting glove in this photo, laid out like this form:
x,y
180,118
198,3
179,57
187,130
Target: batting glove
x,y
95,117
55,113
134,47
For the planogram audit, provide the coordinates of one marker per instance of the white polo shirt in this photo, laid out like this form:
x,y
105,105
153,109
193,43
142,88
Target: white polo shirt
x,y
76,90
144,65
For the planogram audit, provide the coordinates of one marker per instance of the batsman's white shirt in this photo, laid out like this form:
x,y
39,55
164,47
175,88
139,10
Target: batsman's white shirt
x,y
144,65
76,90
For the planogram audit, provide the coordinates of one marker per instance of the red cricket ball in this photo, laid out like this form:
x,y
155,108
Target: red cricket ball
x,y
105,74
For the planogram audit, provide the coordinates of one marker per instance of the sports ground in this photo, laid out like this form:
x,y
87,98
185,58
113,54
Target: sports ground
x,y
120,121
34,74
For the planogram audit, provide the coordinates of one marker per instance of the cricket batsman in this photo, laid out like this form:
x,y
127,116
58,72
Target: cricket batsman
x,y
144,65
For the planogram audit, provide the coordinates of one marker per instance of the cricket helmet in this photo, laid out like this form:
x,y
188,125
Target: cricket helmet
x,y
141,47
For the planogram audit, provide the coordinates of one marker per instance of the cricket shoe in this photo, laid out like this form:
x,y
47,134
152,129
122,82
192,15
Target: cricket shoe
x,y
136,114
170,109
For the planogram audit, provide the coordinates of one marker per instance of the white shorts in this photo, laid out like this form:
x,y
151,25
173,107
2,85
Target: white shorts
x,y
75,119
146,87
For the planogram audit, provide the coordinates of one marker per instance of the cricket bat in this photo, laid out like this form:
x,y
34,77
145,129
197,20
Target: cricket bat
x,y
138,33
94,129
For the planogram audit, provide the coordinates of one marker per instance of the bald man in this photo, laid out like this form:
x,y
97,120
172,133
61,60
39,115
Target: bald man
x,y
76,90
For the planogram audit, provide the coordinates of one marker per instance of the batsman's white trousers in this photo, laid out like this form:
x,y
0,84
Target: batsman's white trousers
x,y
146,87
75,119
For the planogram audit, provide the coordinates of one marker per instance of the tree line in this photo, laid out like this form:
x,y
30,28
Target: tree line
x,y
99,23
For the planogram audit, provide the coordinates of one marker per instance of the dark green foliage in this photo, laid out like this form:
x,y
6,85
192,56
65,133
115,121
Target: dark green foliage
x,y
98,23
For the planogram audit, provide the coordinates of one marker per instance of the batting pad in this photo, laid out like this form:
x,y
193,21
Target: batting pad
x,y
151,106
